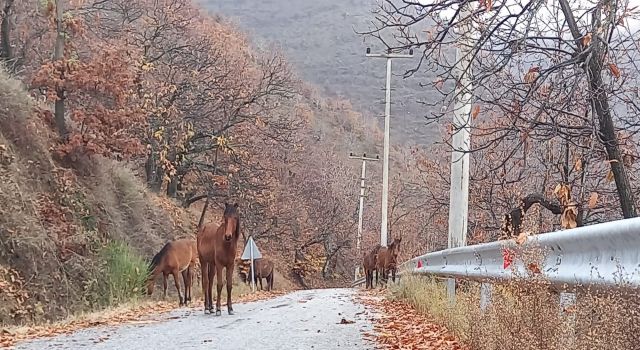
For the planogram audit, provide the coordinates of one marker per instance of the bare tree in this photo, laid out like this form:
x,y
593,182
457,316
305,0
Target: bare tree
x,y
542,70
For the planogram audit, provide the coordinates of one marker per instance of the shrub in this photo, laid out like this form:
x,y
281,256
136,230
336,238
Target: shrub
x,y
123,276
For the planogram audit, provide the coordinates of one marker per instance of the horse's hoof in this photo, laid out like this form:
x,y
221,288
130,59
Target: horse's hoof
x,y
206,311
218,313
231,312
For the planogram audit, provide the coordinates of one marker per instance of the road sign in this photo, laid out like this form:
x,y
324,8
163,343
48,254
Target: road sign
x,y
246,254
251,252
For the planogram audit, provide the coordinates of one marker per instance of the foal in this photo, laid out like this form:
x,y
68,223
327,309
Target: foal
x,y
217,248
175,257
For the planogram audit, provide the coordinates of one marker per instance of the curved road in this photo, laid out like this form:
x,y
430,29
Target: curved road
x,y
308,319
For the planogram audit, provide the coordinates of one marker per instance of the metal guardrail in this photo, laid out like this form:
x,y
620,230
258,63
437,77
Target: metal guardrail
x,y
601,255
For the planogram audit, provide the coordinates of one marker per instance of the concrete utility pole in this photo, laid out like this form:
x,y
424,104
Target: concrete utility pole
x,y
385,159
461,141
364,159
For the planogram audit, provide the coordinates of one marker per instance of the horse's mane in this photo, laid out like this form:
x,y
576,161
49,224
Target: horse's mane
x,y
158,257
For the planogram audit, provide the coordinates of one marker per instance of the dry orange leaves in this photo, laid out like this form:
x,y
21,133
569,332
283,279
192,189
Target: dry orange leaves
x,y
136,314
403,327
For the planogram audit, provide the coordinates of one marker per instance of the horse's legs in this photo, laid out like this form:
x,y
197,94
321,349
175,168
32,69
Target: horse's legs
x,y
393,275
205,285
176,280
219,289
229,287
190,284
186,280
260,279
377,280
212,275
273,277
164,284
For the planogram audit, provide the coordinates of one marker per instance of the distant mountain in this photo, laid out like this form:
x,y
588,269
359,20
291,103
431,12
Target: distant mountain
x,y
319,38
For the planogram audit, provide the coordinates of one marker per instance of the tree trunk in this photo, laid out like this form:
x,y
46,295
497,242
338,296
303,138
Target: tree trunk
x,y
58,55
153,172
608,136
600,101
5,32
172,187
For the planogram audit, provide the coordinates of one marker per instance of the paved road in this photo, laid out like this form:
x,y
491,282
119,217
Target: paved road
x,y
300,320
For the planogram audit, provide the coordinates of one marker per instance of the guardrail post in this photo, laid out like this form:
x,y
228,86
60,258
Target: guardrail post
x,y
567,302
451,291
485,296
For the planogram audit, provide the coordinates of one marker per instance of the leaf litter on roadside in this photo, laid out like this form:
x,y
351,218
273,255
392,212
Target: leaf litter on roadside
x,y
398,325
137,314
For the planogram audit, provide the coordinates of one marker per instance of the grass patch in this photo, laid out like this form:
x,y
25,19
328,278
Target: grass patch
x,y
122,278
528,316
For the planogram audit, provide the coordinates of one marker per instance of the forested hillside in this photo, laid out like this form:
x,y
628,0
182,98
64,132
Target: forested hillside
x,y
118,119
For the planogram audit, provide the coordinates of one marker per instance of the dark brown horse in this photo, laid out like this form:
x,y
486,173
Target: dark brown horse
x,y
217,247
176,257
264,269
387,260
369,265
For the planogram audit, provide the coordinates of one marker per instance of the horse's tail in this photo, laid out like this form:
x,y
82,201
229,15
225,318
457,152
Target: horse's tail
x,y
158,258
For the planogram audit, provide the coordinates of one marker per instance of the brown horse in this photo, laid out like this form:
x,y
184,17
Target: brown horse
x,y
369,265
175,257
217,249
386,260
264,269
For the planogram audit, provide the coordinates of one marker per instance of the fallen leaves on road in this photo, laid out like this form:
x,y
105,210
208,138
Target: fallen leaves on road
x,y
121,315
399,326
105,318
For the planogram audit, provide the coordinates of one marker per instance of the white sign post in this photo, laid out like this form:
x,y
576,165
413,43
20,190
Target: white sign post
x,y
251,252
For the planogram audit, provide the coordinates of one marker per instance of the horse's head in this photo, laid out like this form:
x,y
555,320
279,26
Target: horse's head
x,y
394,247
150,284
231,221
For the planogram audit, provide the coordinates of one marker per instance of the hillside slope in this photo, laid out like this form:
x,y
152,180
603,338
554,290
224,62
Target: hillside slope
x,y
54,221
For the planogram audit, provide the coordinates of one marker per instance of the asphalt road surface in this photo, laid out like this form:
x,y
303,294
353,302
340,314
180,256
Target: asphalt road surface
x,y
308,319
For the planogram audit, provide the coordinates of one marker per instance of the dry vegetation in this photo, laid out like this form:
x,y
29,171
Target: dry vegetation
x,y
528,315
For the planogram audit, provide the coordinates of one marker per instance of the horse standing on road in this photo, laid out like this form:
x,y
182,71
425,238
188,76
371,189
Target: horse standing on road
x,y
264,269
369,265
387,259
175,258
217,248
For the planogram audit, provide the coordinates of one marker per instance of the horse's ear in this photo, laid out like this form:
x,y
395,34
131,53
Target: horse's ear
x,y
226,205
236,205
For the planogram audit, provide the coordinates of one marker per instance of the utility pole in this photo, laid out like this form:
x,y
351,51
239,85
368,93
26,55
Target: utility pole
x,y
364,159
385,159
461,142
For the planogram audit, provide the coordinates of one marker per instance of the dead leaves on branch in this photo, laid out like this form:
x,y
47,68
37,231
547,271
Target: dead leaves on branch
x,y
569,216
401,326
532,75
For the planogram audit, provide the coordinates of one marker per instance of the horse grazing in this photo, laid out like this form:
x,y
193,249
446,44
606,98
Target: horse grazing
x,y
176,257
217,249
386,260
264,269
369,265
